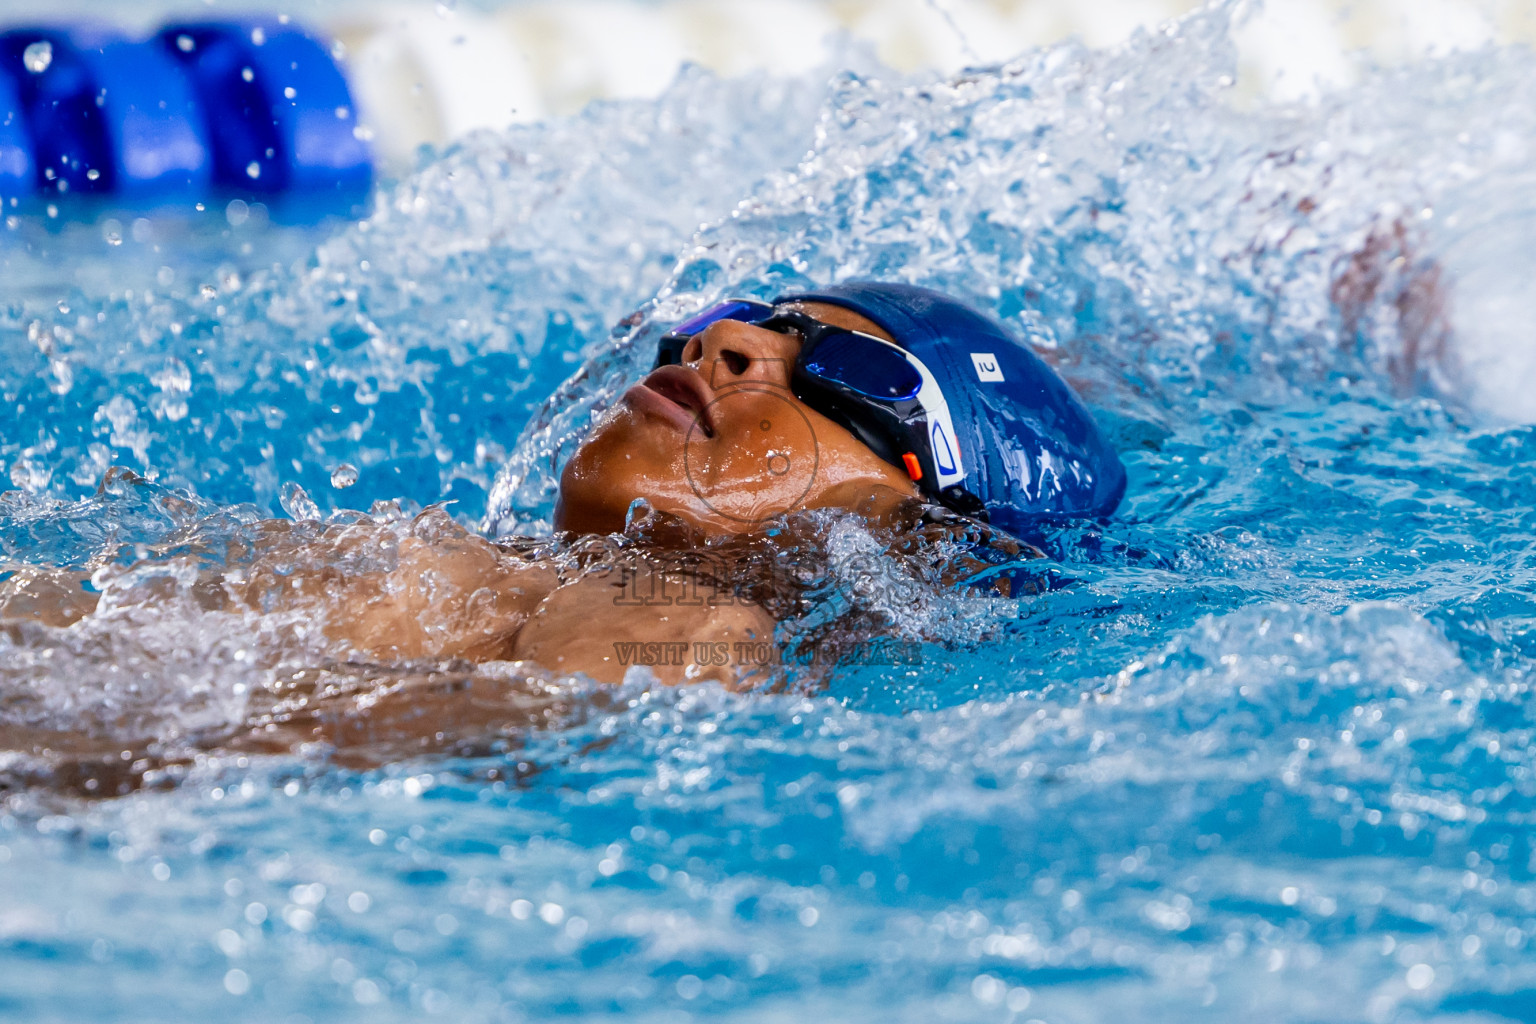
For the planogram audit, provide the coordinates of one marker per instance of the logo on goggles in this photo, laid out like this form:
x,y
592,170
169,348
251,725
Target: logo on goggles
x,y
941,429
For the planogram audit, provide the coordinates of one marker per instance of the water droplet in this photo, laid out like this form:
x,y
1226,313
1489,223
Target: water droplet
x,y
344,476
258,35
38,56
92,174
185,43
247,74
253,169
237,212
289,92
297,503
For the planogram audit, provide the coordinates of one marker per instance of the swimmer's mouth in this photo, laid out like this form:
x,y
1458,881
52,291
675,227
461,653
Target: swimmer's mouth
x,y
677,394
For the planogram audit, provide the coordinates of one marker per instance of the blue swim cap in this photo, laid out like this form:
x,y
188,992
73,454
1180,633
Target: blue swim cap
x,y
1029,448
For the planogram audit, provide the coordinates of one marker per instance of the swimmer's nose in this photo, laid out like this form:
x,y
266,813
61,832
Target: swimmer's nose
x,y
730,352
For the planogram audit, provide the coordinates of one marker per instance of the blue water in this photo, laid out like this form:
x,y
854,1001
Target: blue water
x,y
1267,757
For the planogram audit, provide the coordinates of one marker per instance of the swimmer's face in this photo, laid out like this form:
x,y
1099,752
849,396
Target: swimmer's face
x,y
720,441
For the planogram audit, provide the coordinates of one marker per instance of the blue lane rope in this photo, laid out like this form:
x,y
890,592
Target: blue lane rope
x,y
17,160
278,108
253,108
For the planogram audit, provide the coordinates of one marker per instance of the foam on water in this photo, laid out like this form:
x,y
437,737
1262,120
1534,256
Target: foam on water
x,y
1266,755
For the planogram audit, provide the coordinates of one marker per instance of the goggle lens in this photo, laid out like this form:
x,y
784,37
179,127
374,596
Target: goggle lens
x,y
866,365
735,309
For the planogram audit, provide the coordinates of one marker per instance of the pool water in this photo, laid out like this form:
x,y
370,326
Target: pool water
x,y
1264,756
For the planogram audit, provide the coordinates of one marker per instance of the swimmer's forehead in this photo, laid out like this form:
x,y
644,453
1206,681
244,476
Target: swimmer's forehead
x,y
838,316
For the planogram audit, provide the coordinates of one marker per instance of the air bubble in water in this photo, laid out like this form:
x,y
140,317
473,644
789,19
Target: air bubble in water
x,y
38,56
185,43
344,476
253,169
112,231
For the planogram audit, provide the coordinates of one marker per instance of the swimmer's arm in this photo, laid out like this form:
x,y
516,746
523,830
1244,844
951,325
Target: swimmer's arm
x,y
447,594
459,599
455,597
605,622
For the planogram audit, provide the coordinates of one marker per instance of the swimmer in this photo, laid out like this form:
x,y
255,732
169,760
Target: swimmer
x,y
891,402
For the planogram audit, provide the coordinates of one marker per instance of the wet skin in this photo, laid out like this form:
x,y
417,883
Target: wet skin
x,y
721,442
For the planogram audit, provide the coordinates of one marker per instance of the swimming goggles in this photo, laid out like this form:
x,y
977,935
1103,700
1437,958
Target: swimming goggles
x,y
878,391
